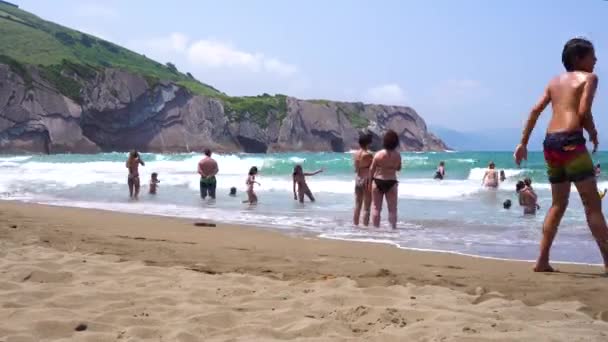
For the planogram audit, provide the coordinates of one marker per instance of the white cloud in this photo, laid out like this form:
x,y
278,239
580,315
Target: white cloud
x,y
459,92
388,94
212,55
92,10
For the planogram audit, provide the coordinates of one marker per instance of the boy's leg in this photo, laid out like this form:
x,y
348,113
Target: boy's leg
x,y
560,193
136,185
587,189
392,197
300,195
377,197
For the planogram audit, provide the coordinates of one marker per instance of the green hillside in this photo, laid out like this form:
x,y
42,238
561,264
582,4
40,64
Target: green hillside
x,y
28,39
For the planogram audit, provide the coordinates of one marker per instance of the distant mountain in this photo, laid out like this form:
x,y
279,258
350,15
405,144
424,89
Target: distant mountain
x,y
495,139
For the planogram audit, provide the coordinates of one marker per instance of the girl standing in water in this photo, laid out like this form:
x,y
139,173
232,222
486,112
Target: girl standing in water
x,y
252,198
363,194
383,172
299,178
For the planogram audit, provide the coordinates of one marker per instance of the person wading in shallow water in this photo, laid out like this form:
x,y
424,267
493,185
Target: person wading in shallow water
x,y
383,172
363,186
132,165
207,168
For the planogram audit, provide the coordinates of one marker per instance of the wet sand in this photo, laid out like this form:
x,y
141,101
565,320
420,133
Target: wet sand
x,y
136,277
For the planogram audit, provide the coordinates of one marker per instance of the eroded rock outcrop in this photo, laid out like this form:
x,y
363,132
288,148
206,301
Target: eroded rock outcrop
x,y
118,111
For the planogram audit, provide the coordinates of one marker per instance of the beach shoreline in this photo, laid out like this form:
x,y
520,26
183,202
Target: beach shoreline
x,y
225,250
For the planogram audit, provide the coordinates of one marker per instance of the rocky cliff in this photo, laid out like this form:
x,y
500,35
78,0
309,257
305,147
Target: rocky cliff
x,y
88,110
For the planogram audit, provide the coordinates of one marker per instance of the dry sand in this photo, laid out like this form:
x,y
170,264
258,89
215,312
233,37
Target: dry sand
x,y
129,277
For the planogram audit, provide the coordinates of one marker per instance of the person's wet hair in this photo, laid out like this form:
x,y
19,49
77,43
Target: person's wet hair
x,y
491,165
207,152
520,186
233,191
365,140
506,204
154,174
253,170
527,181
133,154
297,170
390,141
575,50
441,163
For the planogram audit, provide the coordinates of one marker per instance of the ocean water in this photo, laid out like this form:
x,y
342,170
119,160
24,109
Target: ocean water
x,y
455,215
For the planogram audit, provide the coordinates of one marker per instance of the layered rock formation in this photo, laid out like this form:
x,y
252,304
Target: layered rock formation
x,y
118,111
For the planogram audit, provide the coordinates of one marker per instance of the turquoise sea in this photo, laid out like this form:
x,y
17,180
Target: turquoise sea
x,y
455,215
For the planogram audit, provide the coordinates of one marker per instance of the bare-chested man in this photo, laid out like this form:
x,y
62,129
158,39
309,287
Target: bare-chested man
x,y
132,165
571,95
207,168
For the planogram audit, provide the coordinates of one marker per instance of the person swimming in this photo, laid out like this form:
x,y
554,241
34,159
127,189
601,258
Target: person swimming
x,y
490,178
507,204
232,192
440,172
299,179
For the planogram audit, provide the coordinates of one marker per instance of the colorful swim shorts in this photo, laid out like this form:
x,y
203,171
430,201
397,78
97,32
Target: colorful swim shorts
x,y
567,157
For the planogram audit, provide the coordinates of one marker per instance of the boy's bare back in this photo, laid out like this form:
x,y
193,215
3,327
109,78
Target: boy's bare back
x,y
568,94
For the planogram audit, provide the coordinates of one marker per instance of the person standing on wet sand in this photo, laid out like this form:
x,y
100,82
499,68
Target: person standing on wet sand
x,y
363,191
208,168
568,161
383,173
132,165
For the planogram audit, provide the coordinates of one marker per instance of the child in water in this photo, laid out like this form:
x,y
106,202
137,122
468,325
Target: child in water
x,y
440,173
299,178
232,192
527,197
252,198
154,183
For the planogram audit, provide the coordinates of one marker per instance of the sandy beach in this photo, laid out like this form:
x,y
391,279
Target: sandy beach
x,y
125,277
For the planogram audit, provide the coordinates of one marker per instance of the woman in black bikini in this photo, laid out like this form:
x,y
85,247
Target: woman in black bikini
x,y
383,171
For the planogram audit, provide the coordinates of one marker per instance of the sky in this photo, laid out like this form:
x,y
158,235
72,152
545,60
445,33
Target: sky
x,y
467,65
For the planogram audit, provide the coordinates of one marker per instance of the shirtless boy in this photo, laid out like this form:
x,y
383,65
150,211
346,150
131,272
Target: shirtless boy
x,y
571,95
363,191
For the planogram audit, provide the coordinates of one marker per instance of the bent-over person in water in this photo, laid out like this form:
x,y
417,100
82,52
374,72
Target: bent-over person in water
x,y
383,172
568,161
132,165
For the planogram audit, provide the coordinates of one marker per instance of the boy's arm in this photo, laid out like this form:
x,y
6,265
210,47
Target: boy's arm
x,y
584,109
357,164
534,114
313,173
142,162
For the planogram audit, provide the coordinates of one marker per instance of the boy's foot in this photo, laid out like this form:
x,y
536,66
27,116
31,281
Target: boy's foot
x,y
543,269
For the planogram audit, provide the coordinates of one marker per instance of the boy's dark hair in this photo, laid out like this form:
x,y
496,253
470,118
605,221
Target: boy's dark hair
x,y
574,50
527,181
232,190
441,163
154,174
391,140
253,170
208,152
297,169
519,186
507,204
365,140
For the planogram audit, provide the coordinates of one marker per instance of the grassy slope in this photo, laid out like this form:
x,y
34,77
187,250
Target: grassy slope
x,y
28,39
